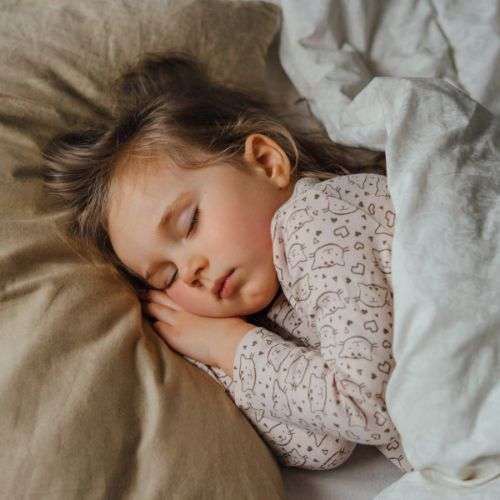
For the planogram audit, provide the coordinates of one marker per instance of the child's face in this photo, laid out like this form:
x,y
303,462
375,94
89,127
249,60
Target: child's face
x,y
235,209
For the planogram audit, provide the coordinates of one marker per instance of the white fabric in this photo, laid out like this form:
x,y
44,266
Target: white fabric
x,y
443,159
350,41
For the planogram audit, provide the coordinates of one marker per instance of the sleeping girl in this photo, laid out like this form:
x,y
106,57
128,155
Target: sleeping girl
x,y
261,251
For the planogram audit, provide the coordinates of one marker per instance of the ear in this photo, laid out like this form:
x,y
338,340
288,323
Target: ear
x,y
267,158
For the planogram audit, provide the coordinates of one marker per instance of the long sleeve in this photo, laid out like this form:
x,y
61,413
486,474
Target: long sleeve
x,y
332,245
293,445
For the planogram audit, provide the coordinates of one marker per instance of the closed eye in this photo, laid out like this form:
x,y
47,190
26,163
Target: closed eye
x,y
194,222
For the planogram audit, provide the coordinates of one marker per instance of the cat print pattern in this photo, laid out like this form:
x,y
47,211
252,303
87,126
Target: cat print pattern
x,y
315,384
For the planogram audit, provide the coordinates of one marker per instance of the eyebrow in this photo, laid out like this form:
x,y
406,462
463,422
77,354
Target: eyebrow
x,y
167,215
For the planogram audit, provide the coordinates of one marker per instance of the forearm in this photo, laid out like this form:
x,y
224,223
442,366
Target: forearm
x,y
225,350
298,385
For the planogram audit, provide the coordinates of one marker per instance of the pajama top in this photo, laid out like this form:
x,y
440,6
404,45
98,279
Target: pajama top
x,y
314,386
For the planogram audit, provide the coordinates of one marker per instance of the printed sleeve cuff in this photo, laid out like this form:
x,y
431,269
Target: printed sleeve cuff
x,y
243,347
250,365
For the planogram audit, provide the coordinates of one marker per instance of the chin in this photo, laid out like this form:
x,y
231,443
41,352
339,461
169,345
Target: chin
x,y
265,300
238,310
231,312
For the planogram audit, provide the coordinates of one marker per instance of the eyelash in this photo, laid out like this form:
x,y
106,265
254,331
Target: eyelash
x,y
195,220
194,223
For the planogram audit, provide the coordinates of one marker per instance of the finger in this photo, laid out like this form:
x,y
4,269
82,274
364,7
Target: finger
x,y
161,329
163,298
161,312
144,307
166,332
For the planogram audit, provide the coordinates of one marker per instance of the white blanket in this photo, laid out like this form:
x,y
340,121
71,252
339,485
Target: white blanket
x,y
443,160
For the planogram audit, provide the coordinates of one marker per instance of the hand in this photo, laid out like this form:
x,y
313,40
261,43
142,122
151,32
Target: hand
x,y
212,341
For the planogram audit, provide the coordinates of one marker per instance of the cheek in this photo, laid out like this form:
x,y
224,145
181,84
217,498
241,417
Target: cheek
x,y
188,298
259,240
250,231
180,294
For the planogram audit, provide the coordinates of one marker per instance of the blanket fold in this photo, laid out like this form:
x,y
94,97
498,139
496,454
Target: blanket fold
x,y
443,163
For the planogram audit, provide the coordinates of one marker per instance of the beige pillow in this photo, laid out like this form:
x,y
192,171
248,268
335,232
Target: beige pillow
x,y
93,404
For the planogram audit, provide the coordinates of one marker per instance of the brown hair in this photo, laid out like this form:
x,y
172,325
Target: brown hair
x,y
168,103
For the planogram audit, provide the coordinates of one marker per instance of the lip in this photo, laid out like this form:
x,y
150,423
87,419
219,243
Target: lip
x,y
220,284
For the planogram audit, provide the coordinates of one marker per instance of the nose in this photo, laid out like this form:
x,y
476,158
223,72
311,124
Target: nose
x,y
191,270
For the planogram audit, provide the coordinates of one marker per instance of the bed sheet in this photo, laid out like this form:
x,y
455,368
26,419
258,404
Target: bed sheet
x,y
365,475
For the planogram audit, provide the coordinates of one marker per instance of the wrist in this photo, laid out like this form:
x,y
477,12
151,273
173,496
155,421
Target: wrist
x,y
225,356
